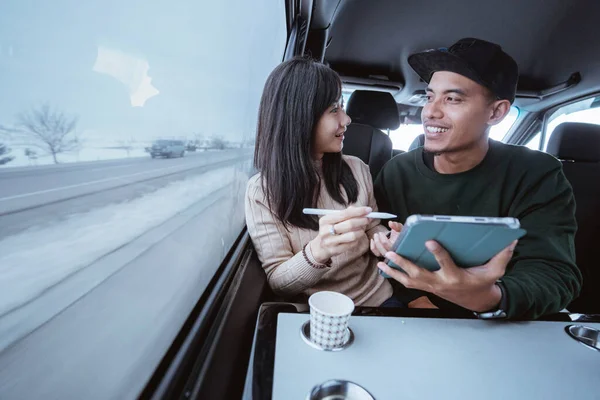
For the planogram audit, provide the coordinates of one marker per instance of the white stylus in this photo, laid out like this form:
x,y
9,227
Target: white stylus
x,y
319,211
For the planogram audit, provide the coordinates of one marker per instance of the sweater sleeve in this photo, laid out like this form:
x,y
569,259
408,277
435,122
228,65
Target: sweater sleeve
x,y
288,273
542,277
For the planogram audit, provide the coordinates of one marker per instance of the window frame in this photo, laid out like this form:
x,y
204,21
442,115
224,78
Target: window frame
x,y
516,123
181,366
550,111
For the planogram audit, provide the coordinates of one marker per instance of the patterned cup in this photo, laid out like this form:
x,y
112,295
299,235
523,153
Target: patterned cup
x,y
329,315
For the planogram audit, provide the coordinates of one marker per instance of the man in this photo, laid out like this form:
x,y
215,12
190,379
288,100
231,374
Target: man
x,y
459,171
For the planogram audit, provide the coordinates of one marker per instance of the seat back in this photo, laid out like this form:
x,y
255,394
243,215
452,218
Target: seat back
x,y
371,112
577,145
418,142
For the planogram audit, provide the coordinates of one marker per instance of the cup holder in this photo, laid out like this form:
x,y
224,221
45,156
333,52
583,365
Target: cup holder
x,y
337,389
305,334
585,335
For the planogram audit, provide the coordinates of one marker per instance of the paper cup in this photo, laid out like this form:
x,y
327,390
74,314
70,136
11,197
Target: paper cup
x,y
329,315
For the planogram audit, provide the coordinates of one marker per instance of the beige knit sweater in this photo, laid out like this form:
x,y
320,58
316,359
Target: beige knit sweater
x,y
353,273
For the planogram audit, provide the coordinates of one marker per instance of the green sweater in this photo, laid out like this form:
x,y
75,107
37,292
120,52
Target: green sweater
x,y
511,181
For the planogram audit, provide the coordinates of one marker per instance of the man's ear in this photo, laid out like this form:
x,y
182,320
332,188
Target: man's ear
x,y
500,109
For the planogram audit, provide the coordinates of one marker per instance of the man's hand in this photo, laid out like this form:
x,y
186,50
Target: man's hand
x,y
381,244
472,288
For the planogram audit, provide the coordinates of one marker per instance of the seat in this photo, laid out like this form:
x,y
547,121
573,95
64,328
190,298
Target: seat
x,y
371,112
418,142
577,145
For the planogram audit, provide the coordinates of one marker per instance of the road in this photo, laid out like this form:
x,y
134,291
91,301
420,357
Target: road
x,y
35,196
96,327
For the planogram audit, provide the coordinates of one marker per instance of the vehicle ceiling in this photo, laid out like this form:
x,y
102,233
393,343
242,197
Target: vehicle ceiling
x,y
549,39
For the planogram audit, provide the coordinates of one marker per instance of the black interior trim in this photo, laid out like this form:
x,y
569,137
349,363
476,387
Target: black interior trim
x,y
550,41
303,20
323,13
219,375
530,125
573,80
292,40
290,11
316,44
171,375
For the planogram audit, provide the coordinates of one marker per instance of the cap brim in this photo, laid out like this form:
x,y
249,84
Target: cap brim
x,y
428,62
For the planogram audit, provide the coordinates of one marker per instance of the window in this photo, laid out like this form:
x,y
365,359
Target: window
x,y
107,243
587,111
534,142
498,132
407,133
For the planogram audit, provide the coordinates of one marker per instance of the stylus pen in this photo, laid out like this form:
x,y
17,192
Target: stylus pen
x,y
319,211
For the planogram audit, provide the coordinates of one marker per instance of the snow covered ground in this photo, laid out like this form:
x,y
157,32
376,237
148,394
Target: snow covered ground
x,y
85,154
36,259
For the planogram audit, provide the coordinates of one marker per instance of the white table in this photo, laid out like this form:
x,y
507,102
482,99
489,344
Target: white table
x,y
428,358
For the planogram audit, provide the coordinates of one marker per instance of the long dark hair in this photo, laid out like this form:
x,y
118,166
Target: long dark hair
x,y
297,93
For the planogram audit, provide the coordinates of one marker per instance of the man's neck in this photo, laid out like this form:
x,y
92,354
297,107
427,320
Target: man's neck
x,y
461,161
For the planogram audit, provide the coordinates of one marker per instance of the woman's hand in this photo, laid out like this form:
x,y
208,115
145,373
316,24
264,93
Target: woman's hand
x,y
339,232
381,244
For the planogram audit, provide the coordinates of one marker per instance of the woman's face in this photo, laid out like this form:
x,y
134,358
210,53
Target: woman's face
x,y
329,132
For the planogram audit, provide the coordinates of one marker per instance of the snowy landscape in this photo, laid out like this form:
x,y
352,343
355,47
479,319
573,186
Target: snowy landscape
x,y
21,156
69,245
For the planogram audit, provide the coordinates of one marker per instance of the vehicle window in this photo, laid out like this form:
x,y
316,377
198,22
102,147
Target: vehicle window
x,y
105,244
498,132
534,142
403,137
587,111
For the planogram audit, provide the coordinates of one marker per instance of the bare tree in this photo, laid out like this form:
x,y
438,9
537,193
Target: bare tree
x,y
31,155
5,156
5,151
49,129
198,137
127,145
217,142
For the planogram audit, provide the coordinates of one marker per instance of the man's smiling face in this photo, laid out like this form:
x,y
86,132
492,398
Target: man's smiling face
x,y
457,114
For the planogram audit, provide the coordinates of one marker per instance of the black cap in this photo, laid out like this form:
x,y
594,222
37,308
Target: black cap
x,y
483,62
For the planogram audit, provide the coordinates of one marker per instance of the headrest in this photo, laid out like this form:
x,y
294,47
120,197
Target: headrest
x,y
575,141
377,109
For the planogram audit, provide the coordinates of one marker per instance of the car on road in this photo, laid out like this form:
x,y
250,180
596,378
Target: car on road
x,y
191,146
167,148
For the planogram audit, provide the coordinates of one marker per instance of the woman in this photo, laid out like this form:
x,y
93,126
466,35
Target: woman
x,y
298,154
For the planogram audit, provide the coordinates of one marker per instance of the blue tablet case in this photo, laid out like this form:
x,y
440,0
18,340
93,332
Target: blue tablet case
x,y
469,244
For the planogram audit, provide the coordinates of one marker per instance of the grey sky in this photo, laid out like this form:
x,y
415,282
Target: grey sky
x,y
208,60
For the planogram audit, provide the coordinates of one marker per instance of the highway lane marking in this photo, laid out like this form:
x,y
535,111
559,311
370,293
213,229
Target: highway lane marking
x,y
20,196
73,166
60,168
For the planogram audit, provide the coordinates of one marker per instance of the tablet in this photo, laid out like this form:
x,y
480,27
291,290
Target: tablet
x,y
471,241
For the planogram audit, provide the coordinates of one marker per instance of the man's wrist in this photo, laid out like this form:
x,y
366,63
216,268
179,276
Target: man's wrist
x,y
489,300
500,311
478,301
